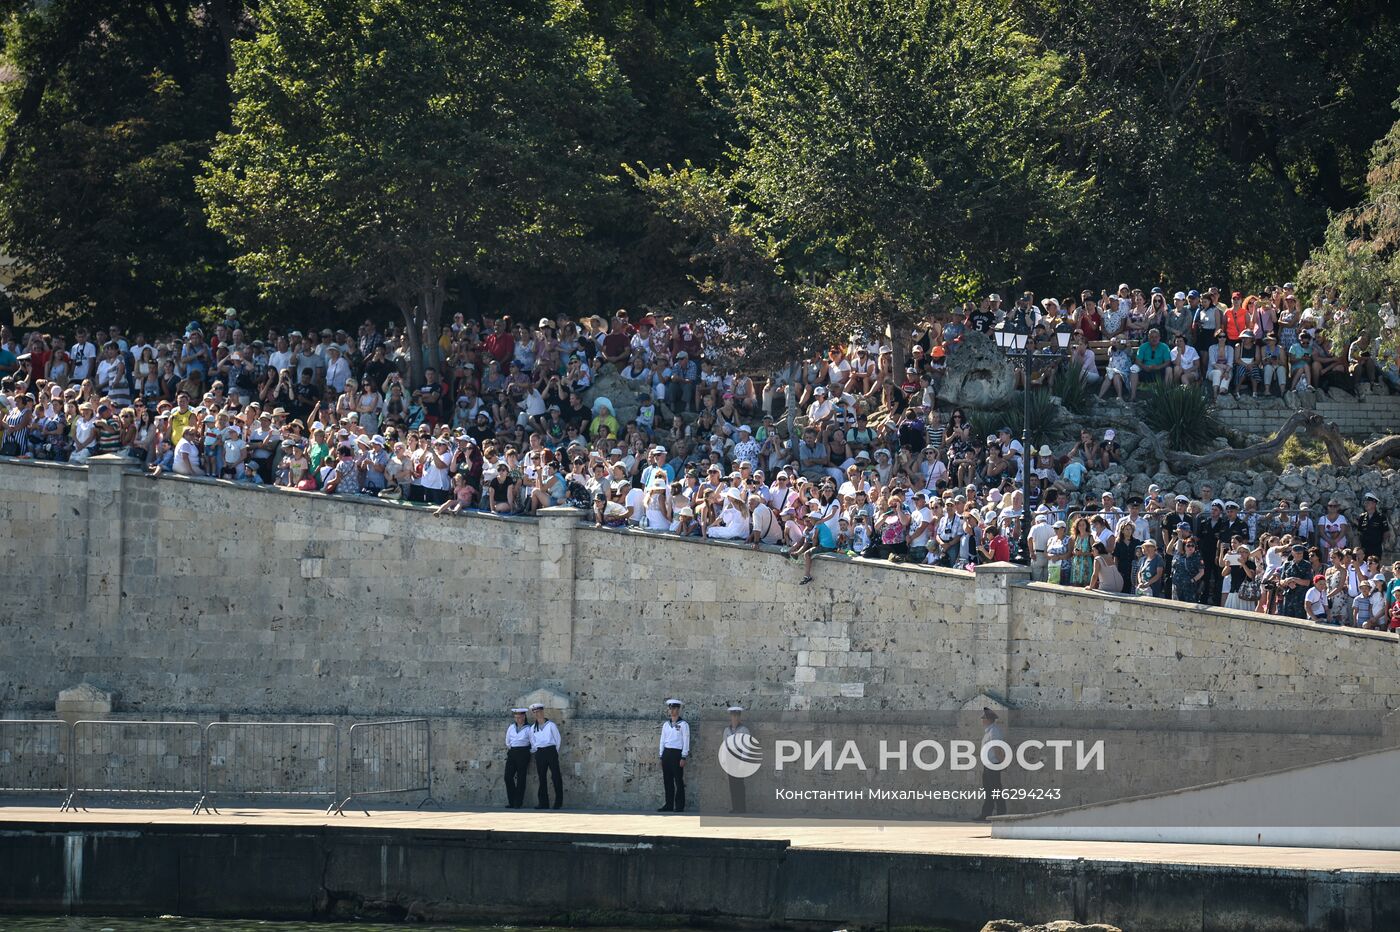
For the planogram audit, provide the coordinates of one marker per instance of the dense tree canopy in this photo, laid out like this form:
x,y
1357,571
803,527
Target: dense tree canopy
x,y
899,148
383,147
1358,263
107,111
852,157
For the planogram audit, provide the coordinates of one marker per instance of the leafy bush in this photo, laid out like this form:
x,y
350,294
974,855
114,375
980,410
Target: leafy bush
x,y
1045,419
1071,388
1301,451
1183,412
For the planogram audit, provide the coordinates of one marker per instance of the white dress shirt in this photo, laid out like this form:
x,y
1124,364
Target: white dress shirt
x,y
544,735
675,735
518,736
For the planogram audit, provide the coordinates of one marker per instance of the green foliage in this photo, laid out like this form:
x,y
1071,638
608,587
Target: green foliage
x,y
1070,386
890,148
1300,451
1218,132
1046,426
1358,262
103,133
868,154
1183,413
383,147
729,265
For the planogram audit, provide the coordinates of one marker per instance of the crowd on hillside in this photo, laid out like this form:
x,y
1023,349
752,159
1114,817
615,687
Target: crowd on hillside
x,y
878,468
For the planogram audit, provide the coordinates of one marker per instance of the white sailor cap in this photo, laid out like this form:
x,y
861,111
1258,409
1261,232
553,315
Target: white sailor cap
x,y
674,702
536,706
519,711
736,708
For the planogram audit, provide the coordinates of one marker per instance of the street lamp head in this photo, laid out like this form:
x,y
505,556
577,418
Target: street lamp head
x,y
1062,335
1000,335
1018,333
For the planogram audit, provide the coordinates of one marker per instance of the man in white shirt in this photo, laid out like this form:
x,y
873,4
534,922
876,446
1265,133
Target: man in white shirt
x,y
518,747
746,448
673,752
1040,534
994,751
920,528
281,357
764,522
545,743
337,369
83,355
111,361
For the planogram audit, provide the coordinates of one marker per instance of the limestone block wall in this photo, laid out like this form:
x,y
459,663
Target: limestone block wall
x,y
658,616
1088,649
192,597
1376,412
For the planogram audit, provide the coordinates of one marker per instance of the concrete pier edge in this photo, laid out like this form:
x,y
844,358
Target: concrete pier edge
x,y
338,872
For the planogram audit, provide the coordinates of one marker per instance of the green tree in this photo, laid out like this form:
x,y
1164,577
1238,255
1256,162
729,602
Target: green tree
x,y
383,147
893,151
109,110
1358,262
1219,132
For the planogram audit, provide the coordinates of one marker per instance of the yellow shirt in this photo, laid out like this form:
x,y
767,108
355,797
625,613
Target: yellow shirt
x,y
178,423
601,421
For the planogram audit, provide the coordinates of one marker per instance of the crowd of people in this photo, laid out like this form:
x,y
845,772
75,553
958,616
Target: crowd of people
x,y
877,468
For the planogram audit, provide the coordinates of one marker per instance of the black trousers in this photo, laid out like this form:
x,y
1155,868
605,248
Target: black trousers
x,y
736,795
673,777
517,767
547,761
1210,586
993,804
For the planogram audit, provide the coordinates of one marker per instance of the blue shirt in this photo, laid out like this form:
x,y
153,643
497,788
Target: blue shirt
x,y
1147,356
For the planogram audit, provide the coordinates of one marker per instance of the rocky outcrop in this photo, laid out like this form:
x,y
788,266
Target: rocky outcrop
x,y
978,375
1059,925
607,383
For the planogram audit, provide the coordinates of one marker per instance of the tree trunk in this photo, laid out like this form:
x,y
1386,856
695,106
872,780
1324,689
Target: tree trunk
x,y
791,416
1308,421
899,348
430,309
413,329
1331,438
1377,450
1150,439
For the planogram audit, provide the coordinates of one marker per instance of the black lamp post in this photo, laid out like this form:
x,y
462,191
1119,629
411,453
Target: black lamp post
x,y
1013,335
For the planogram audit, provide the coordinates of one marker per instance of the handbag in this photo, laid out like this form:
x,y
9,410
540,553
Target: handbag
x,y
1249,591
1052,574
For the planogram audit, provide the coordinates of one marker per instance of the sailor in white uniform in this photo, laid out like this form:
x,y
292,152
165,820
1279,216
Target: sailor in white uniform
x,y
544,740
674,751
736,726
518,747
993,803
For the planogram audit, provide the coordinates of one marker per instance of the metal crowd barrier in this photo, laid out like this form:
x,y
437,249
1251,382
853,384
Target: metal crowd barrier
x,y
34,755
280,759
135,758
390,758
291,760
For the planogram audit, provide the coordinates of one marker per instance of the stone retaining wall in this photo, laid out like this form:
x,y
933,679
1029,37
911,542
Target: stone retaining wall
x,y
1374,413
192,598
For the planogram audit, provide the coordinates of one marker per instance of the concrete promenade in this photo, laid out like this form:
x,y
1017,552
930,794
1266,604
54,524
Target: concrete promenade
x,y
937,838
578,867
